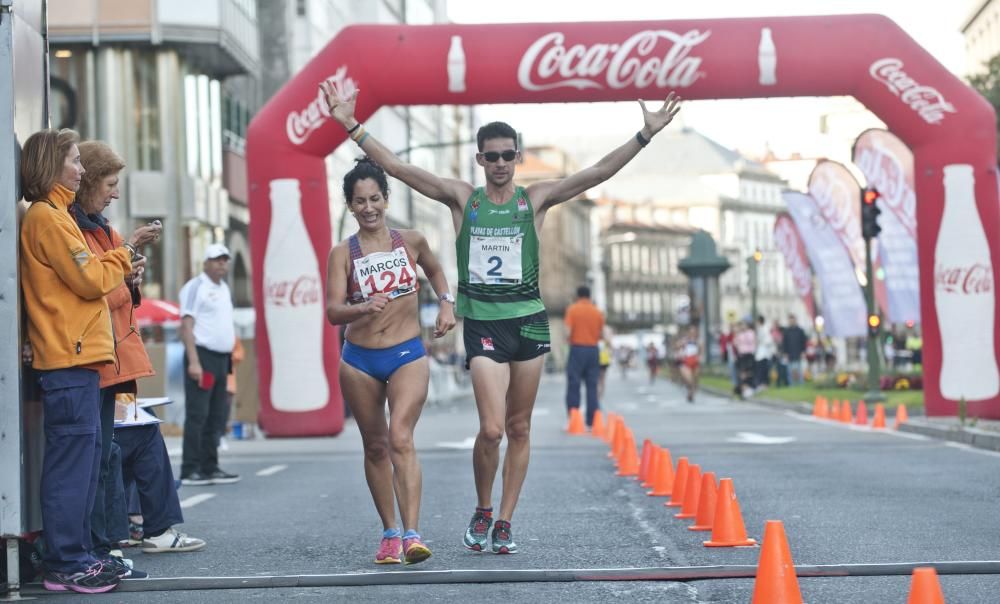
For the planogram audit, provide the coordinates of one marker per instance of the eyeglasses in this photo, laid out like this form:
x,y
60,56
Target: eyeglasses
x,y
494,156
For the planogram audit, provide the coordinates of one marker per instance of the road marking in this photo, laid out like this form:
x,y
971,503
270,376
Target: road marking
x,y
856,428
971,449
271,470
175,452
194,500
540,411
752,438
468,443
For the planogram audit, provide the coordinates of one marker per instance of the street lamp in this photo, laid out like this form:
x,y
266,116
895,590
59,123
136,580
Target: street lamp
x,y
753,264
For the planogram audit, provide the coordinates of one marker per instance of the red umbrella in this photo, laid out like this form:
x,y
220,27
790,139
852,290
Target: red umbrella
x,y
156,312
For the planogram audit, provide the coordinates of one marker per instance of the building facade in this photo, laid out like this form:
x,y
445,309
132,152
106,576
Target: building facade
x,y
149,79
981,30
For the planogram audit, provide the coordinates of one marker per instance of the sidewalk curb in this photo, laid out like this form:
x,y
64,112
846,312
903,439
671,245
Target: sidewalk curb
x,y
973,437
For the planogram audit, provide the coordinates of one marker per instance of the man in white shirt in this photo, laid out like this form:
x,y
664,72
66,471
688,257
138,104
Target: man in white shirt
x,y
208,335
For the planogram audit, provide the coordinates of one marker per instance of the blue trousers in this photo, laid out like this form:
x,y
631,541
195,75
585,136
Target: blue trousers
x,y
146,464
583,365
108,520
71,400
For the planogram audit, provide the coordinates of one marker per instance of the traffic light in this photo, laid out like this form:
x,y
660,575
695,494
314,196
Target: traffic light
x,y
873,324
869,213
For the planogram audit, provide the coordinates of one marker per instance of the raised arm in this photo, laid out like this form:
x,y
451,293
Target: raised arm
x,y
448,191
552,192
435,275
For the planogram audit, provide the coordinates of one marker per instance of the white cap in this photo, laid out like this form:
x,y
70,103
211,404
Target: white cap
x,y
216,250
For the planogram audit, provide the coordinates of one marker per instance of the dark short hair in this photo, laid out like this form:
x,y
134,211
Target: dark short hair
x,y
495,130
583,292
365,168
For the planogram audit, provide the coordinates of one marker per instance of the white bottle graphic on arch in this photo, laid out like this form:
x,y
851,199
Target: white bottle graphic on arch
x,y
293,306
964,293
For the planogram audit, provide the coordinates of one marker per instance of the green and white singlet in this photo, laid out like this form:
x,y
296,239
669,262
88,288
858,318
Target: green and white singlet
x,y
497,251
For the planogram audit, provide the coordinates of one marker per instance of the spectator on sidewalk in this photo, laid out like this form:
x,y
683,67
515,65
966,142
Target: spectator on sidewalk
x,y
98,188
793,347
763,355
69,331
208,334
745,345
584,327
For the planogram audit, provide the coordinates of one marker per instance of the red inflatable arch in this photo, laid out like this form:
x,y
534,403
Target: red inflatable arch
x,y
950,128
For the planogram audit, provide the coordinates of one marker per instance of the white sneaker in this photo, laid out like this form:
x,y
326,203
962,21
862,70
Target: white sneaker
x,y
171,541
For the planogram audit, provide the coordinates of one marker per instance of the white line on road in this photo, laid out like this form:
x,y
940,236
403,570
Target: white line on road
x,y
972,449
468,443
175,452
196,499
272,470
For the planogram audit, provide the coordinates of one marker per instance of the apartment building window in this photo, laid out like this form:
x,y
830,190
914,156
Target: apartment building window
x,y
202,115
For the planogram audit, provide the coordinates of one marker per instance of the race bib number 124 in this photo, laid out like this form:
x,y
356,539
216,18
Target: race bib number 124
x,y
385,272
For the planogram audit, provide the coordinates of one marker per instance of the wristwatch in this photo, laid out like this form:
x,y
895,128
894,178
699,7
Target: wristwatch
x,y
447,297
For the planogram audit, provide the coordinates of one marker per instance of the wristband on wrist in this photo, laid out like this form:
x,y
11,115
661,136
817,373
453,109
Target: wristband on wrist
x,y
131,250
643,141
361,140
447,297
360,132
356,126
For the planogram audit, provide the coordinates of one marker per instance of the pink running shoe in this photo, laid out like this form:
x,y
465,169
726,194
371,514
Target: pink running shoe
x,y
390,551
415,550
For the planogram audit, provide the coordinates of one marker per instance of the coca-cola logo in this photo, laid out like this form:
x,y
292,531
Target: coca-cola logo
x,y
640,61
301,124
292,292
925,100
975,279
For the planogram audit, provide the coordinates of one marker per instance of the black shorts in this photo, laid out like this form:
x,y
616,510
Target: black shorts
x,y
506,340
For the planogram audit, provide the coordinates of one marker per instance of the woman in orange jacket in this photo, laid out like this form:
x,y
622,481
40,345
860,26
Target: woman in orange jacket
x,y
97,188
69,331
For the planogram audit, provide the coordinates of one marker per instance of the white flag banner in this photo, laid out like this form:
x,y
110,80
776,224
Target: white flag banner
x,y
843,305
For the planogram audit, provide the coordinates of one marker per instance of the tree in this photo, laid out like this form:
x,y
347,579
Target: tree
x,y
988,85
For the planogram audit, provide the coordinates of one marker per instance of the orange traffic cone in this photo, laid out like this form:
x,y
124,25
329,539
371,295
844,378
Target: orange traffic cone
x,y
680,483
776,582
575,422
663,479
727,526
629,465
925,587
879,420
598,429
610,428
706,504
644,459
845,412
653,467
692,493
618,440
835,410
901,415
818,407
861,415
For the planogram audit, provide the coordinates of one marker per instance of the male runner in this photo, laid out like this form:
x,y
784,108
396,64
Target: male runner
x,y
506,331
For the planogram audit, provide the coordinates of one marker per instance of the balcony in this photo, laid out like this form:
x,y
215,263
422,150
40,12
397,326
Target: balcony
x,y
219,37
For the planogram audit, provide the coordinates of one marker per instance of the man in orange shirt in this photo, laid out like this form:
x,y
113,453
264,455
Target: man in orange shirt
x,y
584,324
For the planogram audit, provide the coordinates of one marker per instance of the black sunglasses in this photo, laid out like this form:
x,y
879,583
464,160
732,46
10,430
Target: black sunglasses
x,y
494,156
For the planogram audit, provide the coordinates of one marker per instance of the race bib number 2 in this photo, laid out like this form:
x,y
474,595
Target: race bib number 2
x,y
385,272
495,260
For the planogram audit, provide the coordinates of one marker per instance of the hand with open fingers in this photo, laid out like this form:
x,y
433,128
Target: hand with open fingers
x,y
376,303
445,320
658,120
341,107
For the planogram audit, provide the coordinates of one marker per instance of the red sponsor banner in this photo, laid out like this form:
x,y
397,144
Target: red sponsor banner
x,y
789,242
937,115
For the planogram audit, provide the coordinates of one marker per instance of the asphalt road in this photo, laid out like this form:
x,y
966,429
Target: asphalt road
x,y
845,496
